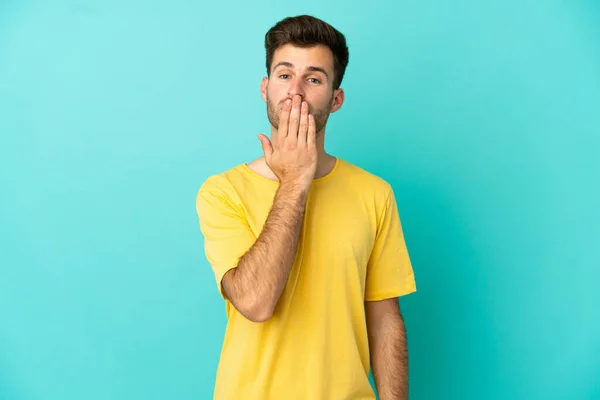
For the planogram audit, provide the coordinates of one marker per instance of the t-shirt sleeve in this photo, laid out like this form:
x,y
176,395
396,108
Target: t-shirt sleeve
x,y
389,271
227,235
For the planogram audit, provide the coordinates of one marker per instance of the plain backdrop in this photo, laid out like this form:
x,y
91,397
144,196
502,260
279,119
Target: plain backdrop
x,y
484,117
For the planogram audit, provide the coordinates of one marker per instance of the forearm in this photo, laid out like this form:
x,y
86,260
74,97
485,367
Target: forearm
x,y
257,283
389,358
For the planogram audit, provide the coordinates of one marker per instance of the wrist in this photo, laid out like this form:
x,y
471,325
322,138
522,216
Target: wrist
x,y
293,190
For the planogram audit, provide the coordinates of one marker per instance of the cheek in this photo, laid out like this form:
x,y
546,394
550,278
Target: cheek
x,y
275,93
318,104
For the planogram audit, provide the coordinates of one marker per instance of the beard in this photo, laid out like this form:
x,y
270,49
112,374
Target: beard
x,y
320,115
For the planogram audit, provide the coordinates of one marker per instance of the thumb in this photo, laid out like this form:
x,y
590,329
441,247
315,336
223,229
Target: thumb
x,y
266,145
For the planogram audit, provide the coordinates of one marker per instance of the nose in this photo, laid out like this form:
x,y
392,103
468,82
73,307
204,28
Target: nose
x,y
296,88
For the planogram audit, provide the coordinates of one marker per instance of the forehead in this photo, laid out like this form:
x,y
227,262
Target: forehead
x,y
303,57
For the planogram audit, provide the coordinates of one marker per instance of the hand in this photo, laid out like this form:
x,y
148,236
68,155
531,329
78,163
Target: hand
x,y
292,156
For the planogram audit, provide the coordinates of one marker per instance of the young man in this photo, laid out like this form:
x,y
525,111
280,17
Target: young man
x,y
307,249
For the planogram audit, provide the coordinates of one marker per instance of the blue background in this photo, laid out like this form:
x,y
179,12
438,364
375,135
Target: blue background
x,y
484,116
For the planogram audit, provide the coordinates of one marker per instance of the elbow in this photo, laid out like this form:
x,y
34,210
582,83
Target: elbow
x,y
258,317
254,306
256,312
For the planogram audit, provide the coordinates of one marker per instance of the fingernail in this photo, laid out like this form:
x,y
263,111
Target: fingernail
x,y
288,102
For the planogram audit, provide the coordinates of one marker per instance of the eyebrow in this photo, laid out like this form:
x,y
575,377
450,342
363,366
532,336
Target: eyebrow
x,y
310,68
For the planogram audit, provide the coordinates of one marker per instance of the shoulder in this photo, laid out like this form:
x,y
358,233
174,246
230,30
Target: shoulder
x,y
223,181
218,196
365,181
220,188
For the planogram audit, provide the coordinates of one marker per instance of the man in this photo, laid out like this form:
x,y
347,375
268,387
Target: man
x,y
307,249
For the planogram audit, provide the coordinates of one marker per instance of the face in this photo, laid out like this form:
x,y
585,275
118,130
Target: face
x,y
307,72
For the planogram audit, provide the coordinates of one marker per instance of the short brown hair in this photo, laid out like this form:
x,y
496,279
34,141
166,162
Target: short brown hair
x,y
308,31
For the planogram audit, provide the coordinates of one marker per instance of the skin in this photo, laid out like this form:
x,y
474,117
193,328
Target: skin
x,y
388,347
294,156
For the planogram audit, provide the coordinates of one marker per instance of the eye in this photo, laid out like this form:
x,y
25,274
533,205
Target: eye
x,y
314,80
282,76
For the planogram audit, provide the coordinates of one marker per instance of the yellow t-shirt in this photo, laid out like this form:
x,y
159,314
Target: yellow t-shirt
x,y
351,250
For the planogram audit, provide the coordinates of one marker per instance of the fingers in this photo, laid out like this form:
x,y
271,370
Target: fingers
x,y
303,129
284,119
292,132
312,131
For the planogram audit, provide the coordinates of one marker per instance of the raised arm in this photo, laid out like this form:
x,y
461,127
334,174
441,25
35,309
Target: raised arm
x,y
256,284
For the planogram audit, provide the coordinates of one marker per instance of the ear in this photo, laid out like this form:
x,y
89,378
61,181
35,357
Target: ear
x,y
338,100
263,88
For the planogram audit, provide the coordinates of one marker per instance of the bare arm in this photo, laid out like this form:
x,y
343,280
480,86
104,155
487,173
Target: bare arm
x,y
388,348
254,287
